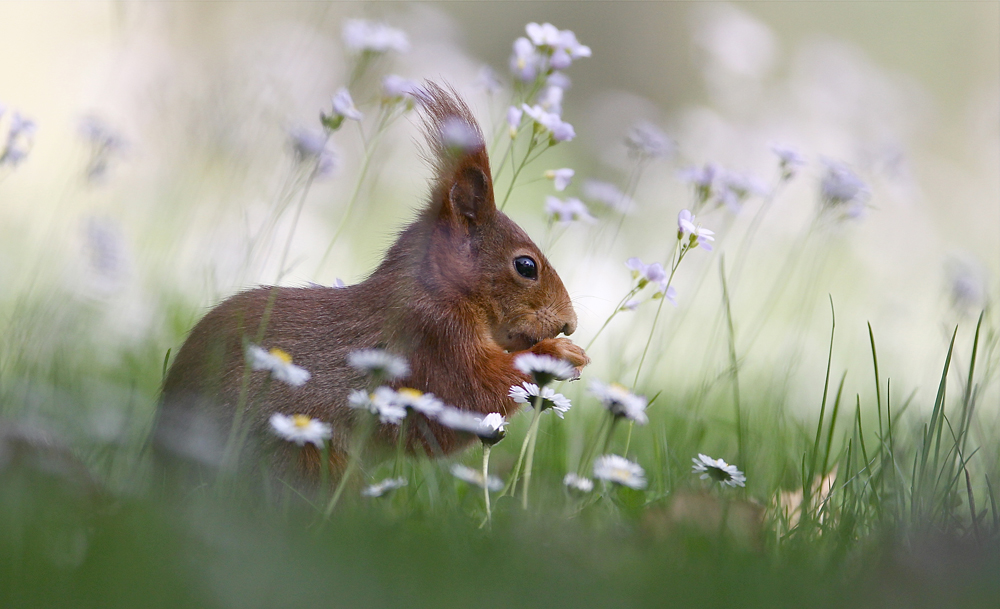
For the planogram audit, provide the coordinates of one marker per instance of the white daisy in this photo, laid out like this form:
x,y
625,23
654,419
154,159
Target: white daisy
x,y
414,399
300,429
620,402
475,477
379,363
544,368
489,429
718,470
380,403
550,399
278,363
385,486
620,470
578,483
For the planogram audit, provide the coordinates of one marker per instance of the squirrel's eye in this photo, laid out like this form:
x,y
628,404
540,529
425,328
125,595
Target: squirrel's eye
x,y
526,267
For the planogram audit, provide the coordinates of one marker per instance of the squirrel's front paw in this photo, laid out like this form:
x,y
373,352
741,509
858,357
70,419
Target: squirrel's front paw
x,y
564,349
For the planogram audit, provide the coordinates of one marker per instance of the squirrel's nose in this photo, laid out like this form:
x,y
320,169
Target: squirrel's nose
x,y
569,328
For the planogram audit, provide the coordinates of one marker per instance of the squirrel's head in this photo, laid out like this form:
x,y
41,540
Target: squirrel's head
x,y
474,253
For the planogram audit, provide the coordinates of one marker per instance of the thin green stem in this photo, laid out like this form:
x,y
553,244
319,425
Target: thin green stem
x,y
517,172
486,477
533,437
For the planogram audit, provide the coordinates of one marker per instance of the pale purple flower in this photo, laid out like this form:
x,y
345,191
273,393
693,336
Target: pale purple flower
x,y
561,131
458,137
647,140
561,177
647,273
525,60
396,87
670,294
550,99
343,105
514,115
488,81
687,226
558,79
789,160
361,36
842,190
607,194
545,34
631,305
19,137
733,189
702,179
311,146
569,210
338,283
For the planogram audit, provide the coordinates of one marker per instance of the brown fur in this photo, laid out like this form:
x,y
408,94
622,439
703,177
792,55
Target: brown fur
x,y
446,297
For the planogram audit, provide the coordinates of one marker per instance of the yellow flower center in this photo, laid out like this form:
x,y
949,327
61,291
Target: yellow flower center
x,y
410,392
300,420
282,355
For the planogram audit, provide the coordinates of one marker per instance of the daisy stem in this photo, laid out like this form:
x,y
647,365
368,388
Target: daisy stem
x,y
588,456
397,468
628,438
486,477
610,434
533,437
511,487
352,464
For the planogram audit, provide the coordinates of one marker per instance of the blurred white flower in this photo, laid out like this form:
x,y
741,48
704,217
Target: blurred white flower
x,y
525,60
312,146
560,131
20,138
620,470
687,227
545,34
104,143
489,429
620,402
561,177
343,105
361,35
733,189
544,368
789,160
670,294
475,477
379,403
418,401
458,137
378,363
300,429
647,140
842,191
278,363
568,210
514,115
577,483
718,470
702,179
550,99
385,486
548,398
966,284
631,305
398,88
607,194
735,41
488,81
562,45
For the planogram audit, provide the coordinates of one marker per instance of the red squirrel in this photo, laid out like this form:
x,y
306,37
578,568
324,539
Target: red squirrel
x,y
459,295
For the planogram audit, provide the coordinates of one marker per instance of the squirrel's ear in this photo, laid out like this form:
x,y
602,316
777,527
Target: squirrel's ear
x,y
471,195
